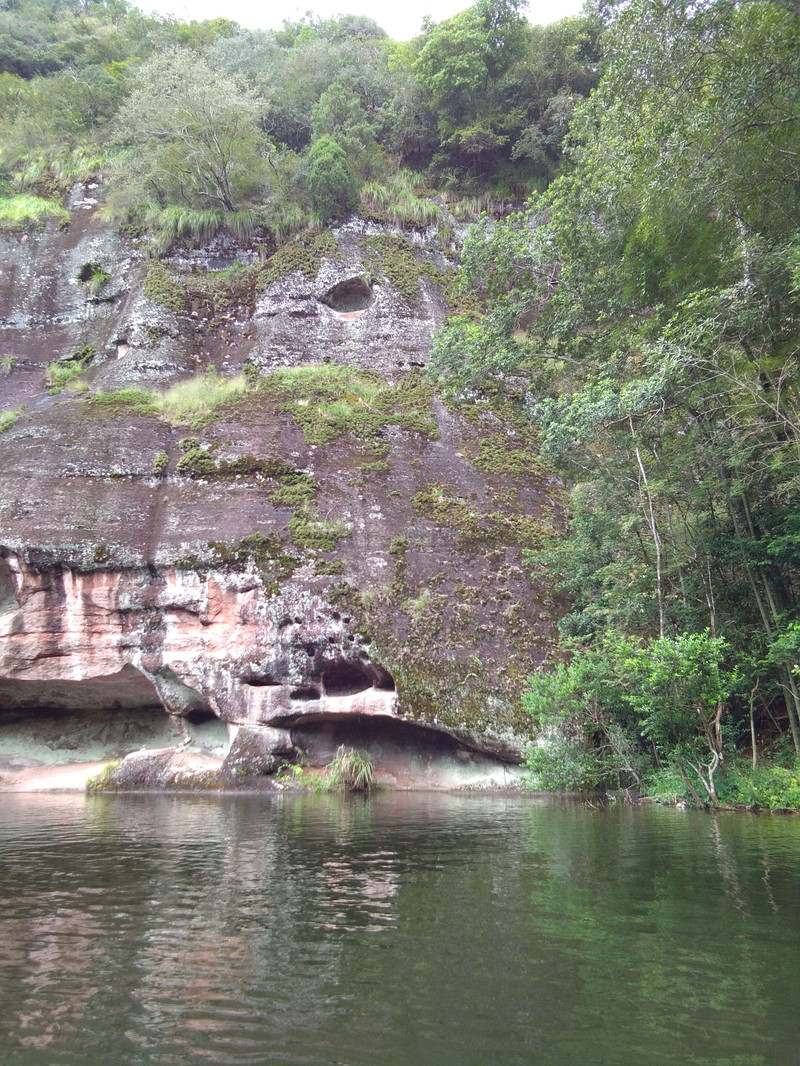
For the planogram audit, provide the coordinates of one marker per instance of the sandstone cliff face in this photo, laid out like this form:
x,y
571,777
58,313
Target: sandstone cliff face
x,y
333,545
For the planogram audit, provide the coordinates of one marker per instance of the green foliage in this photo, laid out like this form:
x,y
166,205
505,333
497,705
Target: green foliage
x,y
161,288
121,403
196,225
328,401
398,201
160,464
199,400
351,771
8,418
563,766
331,185
265,553
305,253
105,779
310,531
195,402
769,787
94,277
68,372
597,713
26,210
464,57
193,139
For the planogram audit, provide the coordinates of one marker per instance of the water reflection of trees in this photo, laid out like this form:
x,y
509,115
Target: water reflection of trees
x,y
212,929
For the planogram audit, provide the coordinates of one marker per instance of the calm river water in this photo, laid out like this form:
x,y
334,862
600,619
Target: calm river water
x,y
423,930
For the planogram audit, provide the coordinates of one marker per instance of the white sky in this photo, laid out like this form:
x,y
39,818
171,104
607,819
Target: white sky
x,y
402,20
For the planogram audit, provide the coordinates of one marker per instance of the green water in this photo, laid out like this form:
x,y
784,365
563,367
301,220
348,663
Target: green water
x,y
415,929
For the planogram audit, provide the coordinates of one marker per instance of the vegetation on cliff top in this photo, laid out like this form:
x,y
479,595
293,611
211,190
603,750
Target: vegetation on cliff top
x,y
204,125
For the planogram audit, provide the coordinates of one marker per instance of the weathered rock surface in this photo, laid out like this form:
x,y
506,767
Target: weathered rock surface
x,y
302,572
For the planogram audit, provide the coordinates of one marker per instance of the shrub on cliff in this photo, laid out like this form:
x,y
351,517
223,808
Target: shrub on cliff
x,y
331,185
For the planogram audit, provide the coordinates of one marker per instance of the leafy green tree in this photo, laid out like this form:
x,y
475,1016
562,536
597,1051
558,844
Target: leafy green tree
x,y
597,713
331,185
194,136
463,58
339,113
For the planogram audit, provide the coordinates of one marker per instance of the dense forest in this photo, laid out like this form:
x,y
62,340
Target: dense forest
x,y
637,270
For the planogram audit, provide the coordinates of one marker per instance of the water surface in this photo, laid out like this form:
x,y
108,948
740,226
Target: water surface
x,y
405,928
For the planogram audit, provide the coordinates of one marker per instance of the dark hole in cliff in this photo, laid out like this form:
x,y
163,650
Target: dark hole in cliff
x,y
345,679
351,295
385,682
411,753
79,721
88,271
201,717
259,680
308,693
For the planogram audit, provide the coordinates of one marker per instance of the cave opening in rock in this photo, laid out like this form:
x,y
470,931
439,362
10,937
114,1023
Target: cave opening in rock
x,y
64,721
404,753
355,294
345,679
385,682
259,680
201,717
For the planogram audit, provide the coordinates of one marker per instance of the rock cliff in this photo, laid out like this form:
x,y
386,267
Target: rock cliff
x,y
313,548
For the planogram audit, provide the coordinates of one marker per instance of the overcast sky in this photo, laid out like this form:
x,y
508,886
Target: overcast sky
x,y
401,21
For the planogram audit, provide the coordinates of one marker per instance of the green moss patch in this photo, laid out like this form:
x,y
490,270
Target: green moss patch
x,y
478,528
121,403
67,372
215,292
267,553
328,401
403,265
310,531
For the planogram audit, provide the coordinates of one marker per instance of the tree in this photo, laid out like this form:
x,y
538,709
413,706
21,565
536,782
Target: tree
x,y
194,136
464,55
331,185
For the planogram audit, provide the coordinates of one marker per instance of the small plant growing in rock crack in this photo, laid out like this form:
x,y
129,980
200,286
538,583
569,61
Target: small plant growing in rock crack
x,y
352,771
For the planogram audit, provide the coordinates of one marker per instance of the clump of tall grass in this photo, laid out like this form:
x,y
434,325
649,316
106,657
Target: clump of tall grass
x,y
286,219
38,168
67,373
195,401
352,771
470,207
8,418
197,225
25,209
398,200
